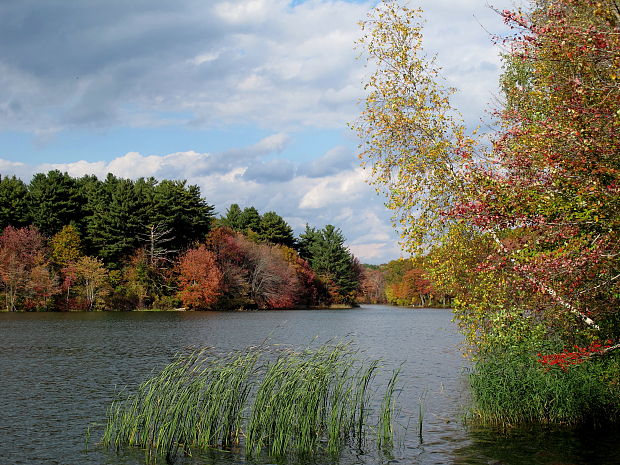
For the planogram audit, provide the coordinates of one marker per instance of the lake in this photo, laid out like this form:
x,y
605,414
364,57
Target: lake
x,y
59,372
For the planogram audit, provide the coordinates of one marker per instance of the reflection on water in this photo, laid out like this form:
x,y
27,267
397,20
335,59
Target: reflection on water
x,y
60,371
559,446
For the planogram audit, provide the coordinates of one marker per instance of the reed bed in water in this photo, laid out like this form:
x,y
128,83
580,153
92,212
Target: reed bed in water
x,y
295,402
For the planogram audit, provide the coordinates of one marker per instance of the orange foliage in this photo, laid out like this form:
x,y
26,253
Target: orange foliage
x,y
199,278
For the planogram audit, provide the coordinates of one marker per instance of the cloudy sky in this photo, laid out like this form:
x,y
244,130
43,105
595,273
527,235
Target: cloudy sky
x,y
249,99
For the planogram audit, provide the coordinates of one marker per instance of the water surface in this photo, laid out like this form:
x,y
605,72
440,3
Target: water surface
x,y
59,371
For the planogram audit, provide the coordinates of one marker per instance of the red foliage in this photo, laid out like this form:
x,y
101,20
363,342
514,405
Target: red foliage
x,y
552,181
24,271
257,274
413,288
573,357
373,286
223,243
199,278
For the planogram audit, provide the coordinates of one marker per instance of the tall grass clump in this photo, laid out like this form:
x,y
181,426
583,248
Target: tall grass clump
x,y
289,403
195,401
512,387
307,397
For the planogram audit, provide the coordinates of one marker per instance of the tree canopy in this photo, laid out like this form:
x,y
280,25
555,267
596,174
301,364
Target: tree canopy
x,y
531,223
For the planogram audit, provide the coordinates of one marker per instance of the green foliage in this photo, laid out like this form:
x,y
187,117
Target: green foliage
x,y
54,201
180,209
66,246
249,220
525,237
411,135
165,217
116,221
127,235
269,227
232,219
511,387
14,209
91,281
301,404
331,261
275,230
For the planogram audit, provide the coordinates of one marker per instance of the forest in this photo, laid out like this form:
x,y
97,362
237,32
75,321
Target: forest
x,y
118,244
405,282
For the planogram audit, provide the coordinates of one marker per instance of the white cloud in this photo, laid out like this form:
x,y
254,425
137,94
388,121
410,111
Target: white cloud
x,y
373,252
204,58
339,189
274,143
21,170
250,11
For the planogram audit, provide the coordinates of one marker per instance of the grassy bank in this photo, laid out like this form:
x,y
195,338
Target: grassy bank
x,y
512,387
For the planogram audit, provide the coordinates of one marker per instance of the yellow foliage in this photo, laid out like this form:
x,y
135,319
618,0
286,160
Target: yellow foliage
x,y
412,138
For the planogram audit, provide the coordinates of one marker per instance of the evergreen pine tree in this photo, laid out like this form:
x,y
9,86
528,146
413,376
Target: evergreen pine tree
x,y
249,219
330,259
232,219
274,229
13,203
54,201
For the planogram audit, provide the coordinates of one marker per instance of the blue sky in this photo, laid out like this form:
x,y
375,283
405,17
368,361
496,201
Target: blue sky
x,y
249,99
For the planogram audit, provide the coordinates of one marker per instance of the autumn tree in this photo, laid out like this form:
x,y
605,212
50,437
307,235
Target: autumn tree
x,y
65,246
412,138
373,285
91,281
549,201
545,197
199,278
557,159
144,278
229,256
25,275
310,291
272,283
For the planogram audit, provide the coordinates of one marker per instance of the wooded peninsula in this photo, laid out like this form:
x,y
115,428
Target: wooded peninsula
x,y
118,244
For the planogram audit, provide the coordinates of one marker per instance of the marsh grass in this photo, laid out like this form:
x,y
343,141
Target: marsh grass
x,y
421,413
197,399
385,425
512,388
298,403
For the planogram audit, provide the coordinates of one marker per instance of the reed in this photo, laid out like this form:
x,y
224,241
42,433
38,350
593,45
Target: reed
x,y
385,426
298,403
513,388
197,400
421,412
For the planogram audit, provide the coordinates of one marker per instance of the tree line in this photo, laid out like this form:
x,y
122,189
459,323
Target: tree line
x,y
404,282
87,244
